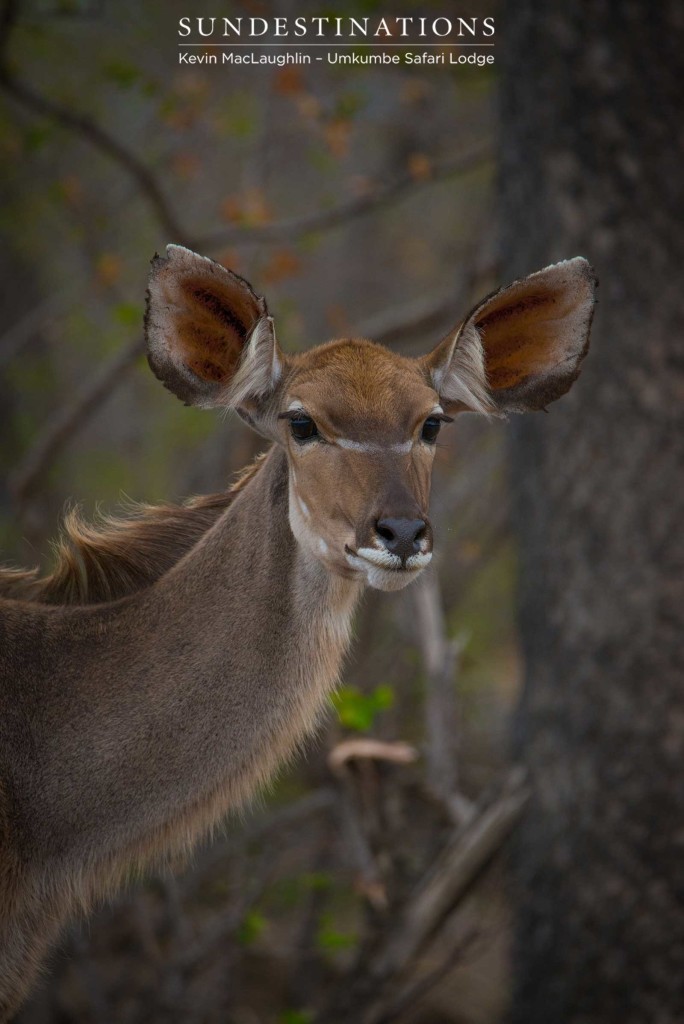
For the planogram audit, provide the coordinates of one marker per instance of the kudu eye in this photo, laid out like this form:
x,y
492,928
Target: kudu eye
x,y
430,430
303,428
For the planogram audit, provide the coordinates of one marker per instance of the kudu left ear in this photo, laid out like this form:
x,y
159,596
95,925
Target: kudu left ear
x,y
209,337
521,347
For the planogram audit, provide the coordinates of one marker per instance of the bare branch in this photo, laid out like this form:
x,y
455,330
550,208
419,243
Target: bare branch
x,y
362,998
401,325
91,983
8,18
292,228
369,880
289,229
17,337
440,657
102,140
224,925
378,750
67,421
292,815
397,1004
460,864
86,128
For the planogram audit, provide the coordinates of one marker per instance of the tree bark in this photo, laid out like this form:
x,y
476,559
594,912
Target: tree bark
x,y
592,154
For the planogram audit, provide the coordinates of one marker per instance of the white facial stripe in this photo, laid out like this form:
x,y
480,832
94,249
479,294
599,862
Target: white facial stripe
x,y
386,560
382,578
300,523
299,450
401,448
419,561
381,557
296,404
437,410
362,564
304,507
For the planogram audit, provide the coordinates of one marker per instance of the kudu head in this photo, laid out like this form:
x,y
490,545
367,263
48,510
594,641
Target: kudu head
x,y
359,422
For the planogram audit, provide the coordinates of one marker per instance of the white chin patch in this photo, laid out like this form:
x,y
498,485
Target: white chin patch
x,y
385,573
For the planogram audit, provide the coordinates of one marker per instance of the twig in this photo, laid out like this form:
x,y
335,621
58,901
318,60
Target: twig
x,y
373,749
179,936
67,421
293,228
366,751
8,17
15,338
369,880
87,129
288,229
225,925
411,994
282,818
401,326
307,973
461,863
91,984
440,656
361,999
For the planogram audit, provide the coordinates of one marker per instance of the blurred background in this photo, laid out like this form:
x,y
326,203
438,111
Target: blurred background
x,y
369,883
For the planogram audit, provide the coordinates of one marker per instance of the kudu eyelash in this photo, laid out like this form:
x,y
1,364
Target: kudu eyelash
x,y
292,414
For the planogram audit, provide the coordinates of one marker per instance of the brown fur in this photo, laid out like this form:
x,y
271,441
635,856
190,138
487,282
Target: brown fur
x,y
120,555
176,657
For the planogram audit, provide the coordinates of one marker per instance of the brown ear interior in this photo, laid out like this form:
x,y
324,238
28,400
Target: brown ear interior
x,y
524,336
214,327
535,334
199,319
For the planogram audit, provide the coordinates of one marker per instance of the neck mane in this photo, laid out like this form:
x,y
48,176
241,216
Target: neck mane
x,y
120,555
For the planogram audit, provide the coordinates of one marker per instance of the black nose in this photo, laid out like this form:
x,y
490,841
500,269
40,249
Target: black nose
x,y
401,536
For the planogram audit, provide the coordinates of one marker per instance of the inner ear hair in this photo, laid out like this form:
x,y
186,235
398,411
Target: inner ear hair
x,y
461,380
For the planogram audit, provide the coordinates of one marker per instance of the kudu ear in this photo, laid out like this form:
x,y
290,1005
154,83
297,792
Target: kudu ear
x,y
521,347
209,337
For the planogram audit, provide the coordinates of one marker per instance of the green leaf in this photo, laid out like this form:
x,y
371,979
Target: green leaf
x,y
36,137
251,928
237,117
357,710
122,73
331,939
295,1017
349,103
317,880
128,314
384,697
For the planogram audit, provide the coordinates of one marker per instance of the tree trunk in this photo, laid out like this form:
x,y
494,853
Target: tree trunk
x,y
592,156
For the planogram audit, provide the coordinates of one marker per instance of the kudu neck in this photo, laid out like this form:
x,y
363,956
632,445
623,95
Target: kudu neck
x,y
252,549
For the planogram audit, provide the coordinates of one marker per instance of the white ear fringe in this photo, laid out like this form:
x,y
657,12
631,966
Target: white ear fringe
x,y
464,378
260,368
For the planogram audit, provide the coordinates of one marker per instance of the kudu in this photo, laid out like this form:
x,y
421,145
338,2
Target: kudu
x,y
175,658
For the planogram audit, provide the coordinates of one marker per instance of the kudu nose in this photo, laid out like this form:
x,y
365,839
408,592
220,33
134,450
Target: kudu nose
x,y
401,537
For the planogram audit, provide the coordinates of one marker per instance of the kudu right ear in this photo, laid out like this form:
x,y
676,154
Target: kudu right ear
x,y
521,347
209,337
